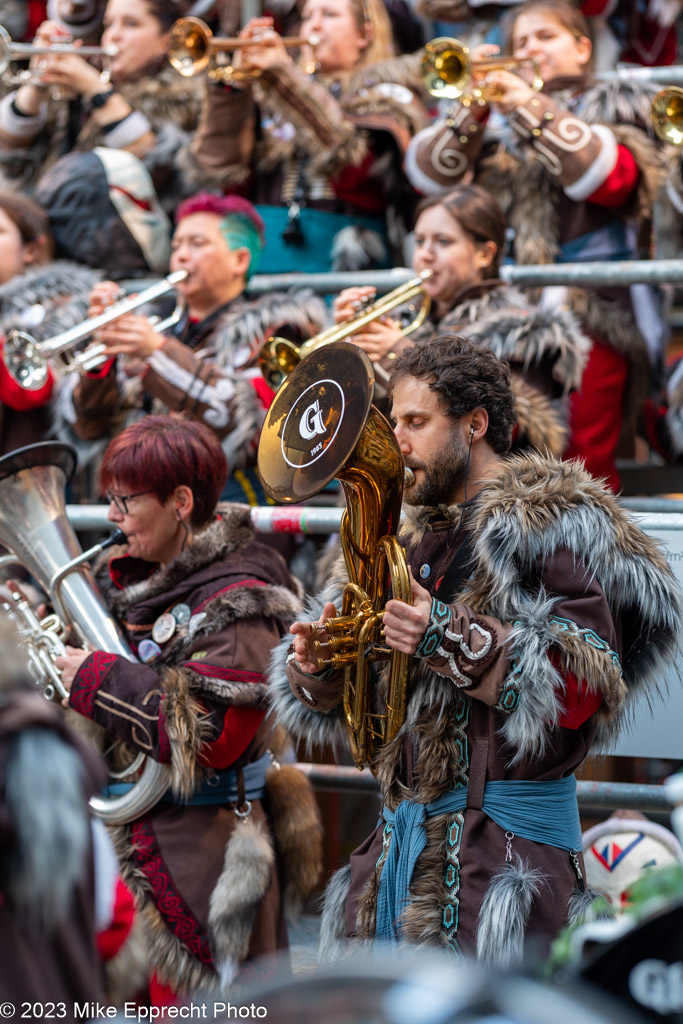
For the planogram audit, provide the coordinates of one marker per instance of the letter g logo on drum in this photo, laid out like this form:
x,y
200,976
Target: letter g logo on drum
x,y
311,422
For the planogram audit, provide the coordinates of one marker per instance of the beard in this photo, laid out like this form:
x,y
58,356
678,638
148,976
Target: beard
x,y
443,477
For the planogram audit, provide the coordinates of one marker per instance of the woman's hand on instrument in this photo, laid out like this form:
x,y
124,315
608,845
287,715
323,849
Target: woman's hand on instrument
x,y
69,664
69,71
102,296
405,624
351,301
510,90
130,335
262,56
378,338
306,635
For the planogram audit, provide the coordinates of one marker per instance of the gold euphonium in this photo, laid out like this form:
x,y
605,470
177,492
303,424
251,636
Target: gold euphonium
x,y
322,426
279,356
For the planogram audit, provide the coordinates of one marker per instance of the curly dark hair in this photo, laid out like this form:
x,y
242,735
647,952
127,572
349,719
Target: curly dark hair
x,y
465,377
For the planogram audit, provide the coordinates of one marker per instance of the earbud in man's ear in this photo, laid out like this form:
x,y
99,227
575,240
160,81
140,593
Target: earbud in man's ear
x,y
471,430
178,515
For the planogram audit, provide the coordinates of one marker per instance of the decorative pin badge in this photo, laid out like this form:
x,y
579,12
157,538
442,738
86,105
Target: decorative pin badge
x,y
195,622
164,628
181,613
425,571
148,650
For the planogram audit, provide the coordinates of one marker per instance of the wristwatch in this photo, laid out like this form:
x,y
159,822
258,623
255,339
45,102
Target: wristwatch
x,y
100,98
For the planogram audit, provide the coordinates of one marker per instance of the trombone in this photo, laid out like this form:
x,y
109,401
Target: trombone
x,y
667,115
10,51
448,72
279,356
27,359
192,47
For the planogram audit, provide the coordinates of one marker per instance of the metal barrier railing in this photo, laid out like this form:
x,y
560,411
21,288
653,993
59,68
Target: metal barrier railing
x,y
665,75
599,273
592,796
656,515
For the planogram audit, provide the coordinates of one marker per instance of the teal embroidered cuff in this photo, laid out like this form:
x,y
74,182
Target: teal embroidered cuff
x,y
439,620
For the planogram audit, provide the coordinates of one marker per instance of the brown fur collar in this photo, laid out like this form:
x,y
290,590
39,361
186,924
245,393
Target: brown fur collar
x,y
221,538
539,424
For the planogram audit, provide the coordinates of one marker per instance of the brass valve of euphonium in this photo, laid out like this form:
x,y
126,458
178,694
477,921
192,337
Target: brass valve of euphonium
x,y
279,356
27,359
449,72
192,47
667,115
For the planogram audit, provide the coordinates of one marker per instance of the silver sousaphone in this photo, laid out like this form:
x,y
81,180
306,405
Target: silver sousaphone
x,y
35,529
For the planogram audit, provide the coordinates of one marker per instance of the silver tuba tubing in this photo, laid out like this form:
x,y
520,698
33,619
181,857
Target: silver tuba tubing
x,y
35,528
27,359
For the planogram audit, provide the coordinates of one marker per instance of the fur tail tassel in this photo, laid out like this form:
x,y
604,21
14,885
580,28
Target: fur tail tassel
x,y
333,941
298,833
504,914
243,883
588,906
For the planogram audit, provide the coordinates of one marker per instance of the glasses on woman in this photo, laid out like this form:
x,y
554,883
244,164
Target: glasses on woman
x,y
121,500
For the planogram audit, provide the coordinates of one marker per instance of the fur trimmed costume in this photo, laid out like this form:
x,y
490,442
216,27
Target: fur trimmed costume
x,y
43,301
546,351
163,102
56,925
319,146
575,174
558,611
210,884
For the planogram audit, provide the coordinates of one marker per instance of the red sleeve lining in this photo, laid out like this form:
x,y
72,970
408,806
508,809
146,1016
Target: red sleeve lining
x,y
620,183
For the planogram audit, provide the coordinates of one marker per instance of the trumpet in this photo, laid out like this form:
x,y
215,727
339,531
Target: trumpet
x,y
193,44
27,359
448,71
279,356
10,51
667,115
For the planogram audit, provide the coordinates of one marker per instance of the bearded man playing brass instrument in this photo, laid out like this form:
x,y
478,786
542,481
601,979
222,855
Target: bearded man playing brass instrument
x,y
531,631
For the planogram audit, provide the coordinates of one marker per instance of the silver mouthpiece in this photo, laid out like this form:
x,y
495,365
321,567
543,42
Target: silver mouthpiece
x,y
408,477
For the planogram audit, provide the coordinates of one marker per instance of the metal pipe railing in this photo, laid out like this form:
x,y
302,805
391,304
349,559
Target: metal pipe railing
x,y
665,75
592,796
600,273
309,520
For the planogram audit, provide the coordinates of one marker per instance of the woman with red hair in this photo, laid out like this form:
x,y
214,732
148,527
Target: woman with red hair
x,y
202,604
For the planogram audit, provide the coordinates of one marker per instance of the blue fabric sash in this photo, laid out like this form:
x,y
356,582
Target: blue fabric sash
x,y
319,228
614,241
221,788
543,811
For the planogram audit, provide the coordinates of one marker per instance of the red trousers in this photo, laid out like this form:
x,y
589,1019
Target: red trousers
x,y
596,413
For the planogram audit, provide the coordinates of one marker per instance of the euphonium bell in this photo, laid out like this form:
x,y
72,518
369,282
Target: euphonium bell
x,y
279,356
35,528
448,71
667,115
322,426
